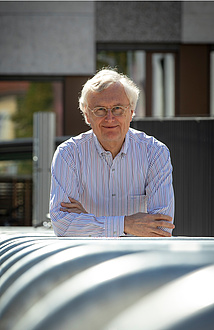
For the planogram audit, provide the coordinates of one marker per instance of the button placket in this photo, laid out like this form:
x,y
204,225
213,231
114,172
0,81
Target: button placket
x,y
113,194
114,186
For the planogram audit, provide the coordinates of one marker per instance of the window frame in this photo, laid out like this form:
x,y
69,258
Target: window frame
x,y
149,49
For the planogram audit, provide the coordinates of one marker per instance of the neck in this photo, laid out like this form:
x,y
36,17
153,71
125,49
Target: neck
x,y
113,147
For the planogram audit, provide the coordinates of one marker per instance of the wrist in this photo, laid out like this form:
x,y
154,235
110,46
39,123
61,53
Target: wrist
x,y
126,220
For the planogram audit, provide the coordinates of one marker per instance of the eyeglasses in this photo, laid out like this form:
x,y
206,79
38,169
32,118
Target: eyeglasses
x,y
117,111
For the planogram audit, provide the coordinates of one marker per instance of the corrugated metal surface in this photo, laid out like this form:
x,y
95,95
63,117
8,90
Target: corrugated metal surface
x,y
127,283
191,142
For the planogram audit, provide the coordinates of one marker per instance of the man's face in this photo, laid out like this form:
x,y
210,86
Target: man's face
x,y
110,130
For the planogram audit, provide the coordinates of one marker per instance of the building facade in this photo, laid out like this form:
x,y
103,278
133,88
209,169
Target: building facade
x,y
166,47
49,49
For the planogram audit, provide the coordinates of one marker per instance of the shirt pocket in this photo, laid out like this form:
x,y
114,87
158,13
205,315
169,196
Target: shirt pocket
x,y
137,203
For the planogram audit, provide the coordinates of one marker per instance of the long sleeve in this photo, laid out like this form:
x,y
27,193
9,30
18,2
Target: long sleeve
x,y
159,188
138,179
65,182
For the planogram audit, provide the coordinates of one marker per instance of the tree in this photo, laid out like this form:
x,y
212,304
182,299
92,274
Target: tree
x,y
39,97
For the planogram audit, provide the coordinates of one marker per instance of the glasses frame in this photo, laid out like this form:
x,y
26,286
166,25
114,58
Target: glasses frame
x,y
111,109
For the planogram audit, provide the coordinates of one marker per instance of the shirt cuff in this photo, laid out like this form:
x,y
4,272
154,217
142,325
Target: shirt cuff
x,y
114,226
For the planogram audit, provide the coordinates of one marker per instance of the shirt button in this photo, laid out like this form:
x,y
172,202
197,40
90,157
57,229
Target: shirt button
x,y
113,169
113,195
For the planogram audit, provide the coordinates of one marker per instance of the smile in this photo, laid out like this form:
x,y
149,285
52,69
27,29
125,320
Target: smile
x,y
110,127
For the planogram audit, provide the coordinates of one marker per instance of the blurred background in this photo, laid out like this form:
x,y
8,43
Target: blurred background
x,y
49,49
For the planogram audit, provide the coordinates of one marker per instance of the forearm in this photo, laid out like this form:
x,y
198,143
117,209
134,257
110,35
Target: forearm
x,y
148,225
68,222
66,185
86,225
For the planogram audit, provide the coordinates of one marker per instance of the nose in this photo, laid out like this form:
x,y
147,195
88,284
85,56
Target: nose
x,y
109,116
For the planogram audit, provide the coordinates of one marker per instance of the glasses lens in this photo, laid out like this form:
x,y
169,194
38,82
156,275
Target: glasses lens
x,y
118,111
100,112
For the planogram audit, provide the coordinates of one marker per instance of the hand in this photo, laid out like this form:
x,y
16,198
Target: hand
x,y
147,225
72,207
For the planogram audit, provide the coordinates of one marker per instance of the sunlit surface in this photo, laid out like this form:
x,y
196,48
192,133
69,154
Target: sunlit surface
x,y
99,283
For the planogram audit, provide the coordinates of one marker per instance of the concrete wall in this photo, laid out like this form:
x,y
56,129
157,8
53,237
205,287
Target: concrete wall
x,y
151,22
198,22
60,37
47,37
138,21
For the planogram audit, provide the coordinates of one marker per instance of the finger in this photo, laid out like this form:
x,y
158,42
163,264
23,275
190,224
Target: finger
x,y
72,200
154,234
165,217
78,207
66,204
72,205
162,233
159,216
73,210
161,223
76,203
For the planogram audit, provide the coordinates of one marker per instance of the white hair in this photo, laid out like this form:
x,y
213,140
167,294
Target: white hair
x,y
102,80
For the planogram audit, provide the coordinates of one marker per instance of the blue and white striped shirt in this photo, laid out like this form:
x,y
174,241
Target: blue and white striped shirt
x,y
138,179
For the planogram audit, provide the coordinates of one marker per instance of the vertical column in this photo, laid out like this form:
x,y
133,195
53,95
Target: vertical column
x,y
212,84
74,123
43,149
194,74
169,85
157,85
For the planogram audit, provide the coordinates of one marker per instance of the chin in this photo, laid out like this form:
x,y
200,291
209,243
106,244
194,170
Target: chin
x,y
112,136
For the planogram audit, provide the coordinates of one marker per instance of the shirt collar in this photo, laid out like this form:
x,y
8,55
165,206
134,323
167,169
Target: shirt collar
x,y
102,151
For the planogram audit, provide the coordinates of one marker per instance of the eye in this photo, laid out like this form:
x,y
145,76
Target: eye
x,y
100,111
118,110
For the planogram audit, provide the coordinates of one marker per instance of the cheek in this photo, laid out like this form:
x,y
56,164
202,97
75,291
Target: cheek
x,y
128,121
95,123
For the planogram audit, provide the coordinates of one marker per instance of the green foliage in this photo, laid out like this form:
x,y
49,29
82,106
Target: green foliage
x,y
39,97
116,60
25,167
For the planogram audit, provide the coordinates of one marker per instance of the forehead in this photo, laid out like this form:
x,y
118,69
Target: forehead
x,y
113,95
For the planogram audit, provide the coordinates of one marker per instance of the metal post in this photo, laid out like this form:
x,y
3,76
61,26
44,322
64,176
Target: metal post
x,y
43,149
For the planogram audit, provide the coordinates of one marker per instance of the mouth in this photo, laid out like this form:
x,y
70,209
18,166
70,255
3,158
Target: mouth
x,y
110,127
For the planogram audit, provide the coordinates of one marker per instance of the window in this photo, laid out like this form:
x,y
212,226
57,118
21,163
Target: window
x,y
131,63
20,99
163,85
16,168
212,83
154,74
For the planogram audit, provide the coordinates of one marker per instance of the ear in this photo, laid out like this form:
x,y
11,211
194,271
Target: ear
x,y
131,115
87,117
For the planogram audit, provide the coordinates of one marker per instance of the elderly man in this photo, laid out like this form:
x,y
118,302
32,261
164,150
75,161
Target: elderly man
x,y
111,180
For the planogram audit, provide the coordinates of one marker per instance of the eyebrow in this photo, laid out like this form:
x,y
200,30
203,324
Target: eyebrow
x,y
115,105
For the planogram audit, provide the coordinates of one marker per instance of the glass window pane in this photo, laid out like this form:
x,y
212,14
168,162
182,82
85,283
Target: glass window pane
x,y
20,99
212,83
15,194
136,70
131,63
163,85
16,168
